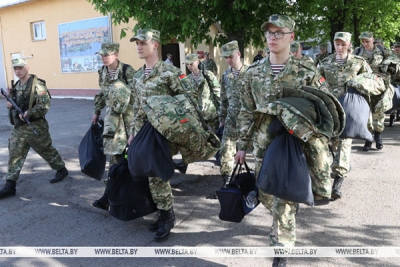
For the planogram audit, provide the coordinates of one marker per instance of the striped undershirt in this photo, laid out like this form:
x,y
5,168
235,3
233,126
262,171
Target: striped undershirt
x,y
196,77
276,68
341,61
235,73
111,73
147,71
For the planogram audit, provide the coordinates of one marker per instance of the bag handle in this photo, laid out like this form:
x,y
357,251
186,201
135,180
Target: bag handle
x,y
240,166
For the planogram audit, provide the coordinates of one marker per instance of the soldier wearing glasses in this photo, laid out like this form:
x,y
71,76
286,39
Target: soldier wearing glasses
x,y
262,84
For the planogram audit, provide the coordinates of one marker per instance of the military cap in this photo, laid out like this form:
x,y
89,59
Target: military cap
x,y
189,59
146,34
227,49
396,44
294,46
366,35
378,40
18,62
108,48
344,36
323,45
281,21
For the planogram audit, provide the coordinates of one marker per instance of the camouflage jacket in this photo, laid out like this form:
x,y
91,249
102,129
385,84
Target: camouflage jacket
x,y
337,75
230,94
379,57
261,87
305,58
117,96
320,57
208,98
164,79
210,65
21,95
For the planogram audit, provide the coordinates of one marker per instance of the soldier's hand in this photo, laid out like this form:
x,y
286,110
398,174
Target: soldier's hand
x,y
22,116
9,105
95,118
130,139
240,156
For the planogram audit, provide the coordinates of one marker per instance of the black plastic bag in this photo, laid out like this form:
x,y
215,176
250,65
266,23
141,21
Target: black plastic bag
x,y
91,157
239,197
149,155
357,113
284,172
128,199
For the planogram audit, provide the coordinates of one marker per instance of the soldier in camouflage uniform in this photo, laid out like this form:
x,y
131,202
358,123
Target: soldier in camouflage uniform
x,y
31,96
208,89
395,115
116,95
209,64
323,47
379,59
396,49
262,84
295,49
231,82
156,78
337,69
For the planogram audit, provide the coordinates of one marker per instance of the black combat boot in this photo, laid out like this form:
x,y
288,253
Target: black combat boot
x,y
60,175
337,184
165,223
102,203
378,140
154,226
367,146
8,190
181,167
279,262
391,120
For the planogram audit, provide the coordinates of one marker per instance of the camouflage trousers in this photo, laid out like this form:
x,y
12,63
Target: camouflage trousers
x,y
22,139
376,118
341,162
228,149
317,154
376,122
161,192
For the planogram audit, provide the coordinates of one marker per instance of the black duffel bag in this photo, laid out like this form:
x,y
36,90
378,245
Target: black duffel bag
x,y
129,199
239,197
91,157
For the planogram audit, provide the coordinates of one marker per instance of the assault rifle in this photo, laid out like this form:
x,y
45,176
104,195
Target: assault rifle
x,y
18,109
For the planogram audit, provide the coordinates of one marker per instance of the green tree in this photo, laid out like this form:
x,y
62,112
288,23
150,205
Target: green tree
x,y
241,20
325,17
191,19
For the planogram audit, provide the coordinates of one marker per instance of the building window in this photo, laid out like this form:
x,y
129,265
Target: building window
x,y
39,30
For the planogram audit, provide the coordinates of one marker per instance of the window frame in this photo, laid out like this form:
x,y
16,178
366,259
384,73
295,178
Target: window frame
x,y
42,27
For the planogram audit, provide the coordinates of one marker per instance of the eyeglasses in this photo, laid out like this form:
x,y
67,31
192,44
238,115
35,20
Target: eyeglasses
x,y
277,35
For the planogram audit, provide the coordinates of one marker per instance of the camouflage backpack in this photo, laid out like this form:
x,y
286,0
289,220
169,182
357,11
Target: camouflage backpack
x,y
177,119
118,102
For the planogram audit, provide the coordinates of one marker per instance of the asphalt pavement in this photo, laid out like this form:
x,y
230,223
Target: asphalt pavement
x,y
60,215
